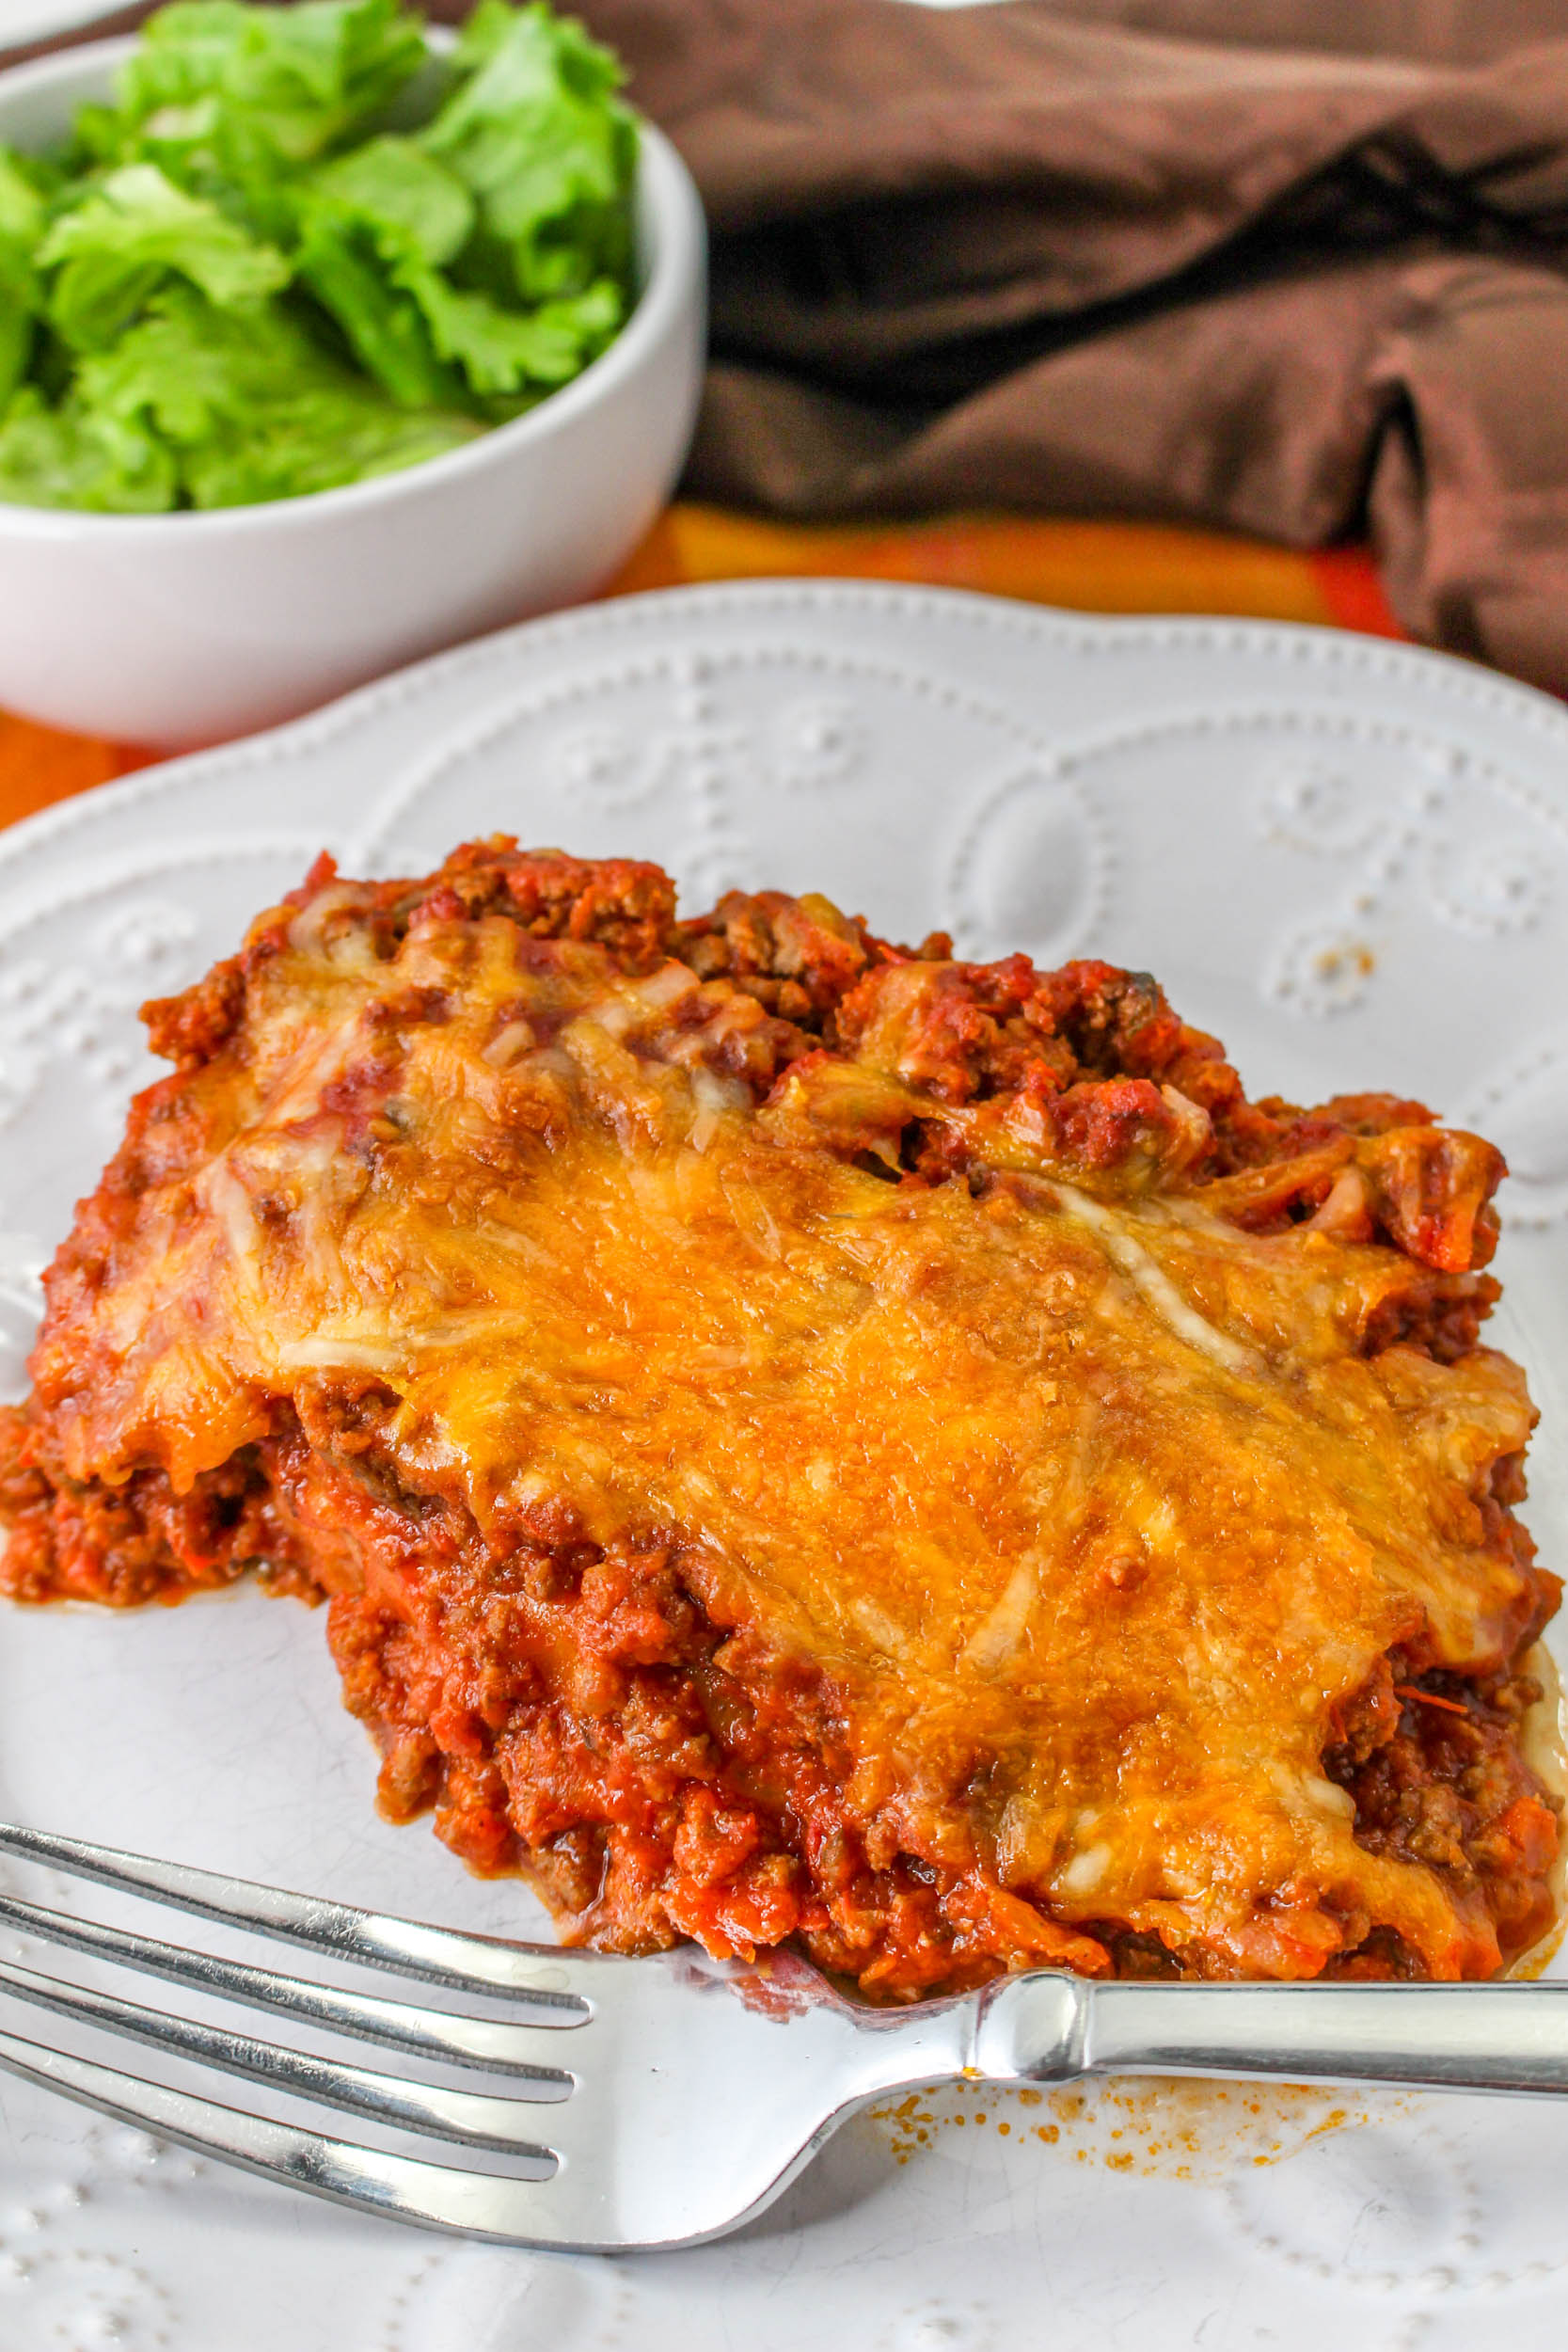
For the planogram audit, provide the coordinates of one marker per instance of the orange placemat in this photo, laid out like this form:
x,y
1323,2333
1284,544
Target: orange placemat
x,y
1094,567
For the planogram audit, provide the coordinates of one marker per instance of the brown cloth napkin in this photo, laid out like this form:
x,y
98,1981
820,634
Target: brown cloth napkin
x,y
1080,255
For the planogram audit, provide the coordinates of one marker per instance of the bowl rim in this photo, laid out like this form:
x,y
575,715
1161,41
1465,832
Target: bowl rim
x,y
666,198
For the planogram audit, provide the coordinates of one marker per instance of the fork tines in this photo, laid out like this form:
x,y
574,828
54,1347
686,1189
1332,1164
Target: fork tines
x,y
533,2123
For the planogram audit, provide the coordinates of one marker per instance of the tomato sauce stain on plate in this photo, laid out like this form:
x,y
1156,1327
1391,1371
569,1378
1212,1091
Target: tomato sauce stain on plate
x,y
1155,2127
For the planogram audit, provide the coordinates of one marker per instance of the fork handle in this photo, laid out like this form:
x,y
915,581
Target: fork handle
x,y
1440,2037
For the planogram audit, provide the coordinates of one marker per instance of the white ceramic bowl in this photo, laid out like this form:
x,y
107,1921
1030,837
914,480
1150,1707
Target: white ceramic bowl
x,y
179,629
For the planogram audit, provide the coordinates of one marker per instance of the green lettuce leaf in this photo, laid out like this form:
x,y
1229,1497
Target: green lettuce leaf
x,y
494,243
23,210
16,324
385,204
116,248
341,263
297,81
411,328
534,129
392,185
319,437
506,352
22,224
377,226
251,407
67,456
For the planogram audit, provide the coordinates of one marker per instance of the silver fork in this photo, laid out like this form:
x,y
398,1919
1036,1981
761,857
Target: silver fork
x,y
659,2101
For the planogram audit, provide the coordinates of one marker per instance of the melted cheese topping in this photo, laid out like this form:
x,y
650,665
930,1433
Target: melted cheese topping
x,y
1086,1506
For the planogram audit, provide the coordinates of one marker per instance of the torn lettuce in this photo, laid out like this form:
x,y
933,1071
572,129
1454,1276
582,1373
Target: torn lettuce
x,y
495,242
110,254
229,85
535,130
252,276
204,408
22,224
69,457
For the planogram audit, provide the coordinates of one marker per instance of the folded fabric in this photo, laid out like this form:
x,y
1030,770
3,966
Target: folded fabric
x,y
1036,255
1465,32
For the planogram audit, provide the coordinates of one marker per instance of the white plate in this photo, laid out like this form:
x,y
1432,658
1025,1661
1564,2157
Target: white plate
x,y
1351,860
